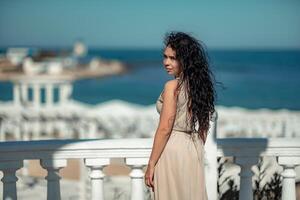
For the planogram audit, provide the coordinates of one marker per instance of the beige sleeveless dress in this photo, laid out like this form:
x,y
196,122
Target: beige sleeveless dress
x,y
179,172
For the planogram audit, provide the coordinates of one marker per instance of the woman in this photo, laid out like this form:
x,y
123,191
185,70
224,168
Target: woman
x,y
176,166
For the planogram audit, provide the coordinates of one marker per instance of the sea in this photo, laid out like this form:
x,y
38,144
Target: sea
x,y
250,79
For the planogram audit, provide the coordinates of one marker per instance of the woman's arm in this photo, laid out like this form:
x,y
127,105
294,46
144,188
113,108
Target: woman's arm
x,y
167,118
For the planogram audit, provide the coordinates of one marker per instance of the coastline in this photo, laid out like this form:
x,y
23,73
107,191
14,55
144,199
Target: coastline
x,y
81,72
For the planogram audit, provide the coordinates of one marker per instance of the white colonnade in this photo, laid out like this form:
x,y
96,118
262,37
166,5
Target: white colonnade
x,y
23,86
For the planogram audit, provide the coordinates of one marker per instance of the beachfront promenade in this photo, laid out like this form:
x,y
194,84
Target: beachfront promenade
x,y
96,154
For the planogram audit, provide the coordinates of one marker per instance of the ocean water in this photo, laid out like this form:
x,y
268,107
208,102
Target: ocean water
x,y
250,78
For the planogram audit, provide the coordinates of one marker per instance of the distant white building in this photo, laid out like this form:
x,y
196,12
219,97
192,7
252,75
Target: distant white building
x,y
17,55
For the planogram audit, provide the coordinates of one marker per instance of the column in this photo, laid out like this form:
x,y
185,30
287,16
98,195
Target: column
x,y
96,165
2,130
289,176
24,92
36,95
9,179
17,130
36,128
246,191
53,186
137,177
69,89
49,94
16,93
92,128
62,93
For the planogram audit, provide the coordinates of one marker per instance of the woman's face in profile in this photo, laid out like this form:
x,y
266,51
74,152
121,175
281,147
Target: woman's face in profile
x,y
171,63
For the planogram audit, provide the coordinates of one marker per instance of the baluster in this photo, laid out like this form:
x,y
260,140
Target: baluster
x,y
25,171
24,93
17,130
69,89
9,179
25,130
36,132
36,95
2,130
53,166
289,176
137,177
92,128
16,94
84,183
49,95
96,165
246,192
63,93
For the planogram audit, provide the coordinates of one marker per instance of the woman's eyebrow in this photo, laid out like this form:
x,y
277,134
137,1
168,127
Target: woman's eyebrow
x,y
165,55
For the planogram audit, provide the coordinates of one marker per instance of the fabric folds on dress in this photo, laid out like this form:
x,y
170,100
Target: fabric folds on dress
x,y
179,172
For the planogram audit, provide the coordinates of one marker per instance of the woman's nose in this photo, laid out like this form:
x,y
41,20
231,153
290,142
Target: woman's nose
x,y
166,61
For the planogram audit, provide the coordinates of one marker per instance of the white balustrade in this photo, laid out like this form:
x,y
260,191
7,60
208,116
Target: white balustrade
x,y
288,183
92,129
16,94
64,93
137,177
25,130
69,88
18,132
9,179
2,133
53,166
24,93
96,165
36,95
252,123
246,163
97,153
36,128
49,94
246,152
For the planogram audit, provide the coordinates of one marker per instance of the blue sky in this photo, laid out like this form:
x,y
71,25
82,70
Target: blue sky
x,y
132,24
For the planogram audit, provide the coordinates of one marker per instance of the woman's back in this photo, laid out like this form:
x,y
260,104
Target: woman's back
x,y
179,173
181,122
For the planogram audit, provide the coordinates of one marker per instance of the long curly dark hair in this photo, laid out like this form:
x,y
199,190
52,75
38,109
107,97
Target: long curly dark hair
x,y
197,77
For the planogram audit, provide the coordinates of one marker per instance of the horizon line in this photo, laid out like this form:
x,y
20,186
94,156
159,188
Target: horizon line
x,y
132,48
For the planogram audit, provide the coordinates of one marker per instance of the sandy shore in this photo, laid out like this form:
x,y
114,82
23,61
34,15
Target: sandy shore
x,y
100,69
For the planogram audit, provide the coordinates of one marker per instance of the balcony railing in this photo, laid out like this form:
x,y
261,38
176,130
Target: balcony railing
x,y
96,154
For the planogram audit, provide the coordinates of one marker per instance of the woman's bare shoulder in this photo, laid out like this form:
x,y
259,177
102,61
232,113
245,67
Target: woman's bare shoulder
x,y
171,85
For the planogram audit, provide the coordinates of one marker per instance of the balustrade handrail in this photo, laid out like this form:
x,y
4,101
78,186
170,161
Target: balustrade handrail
x,y
97,152
136,147
90,148
258,146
